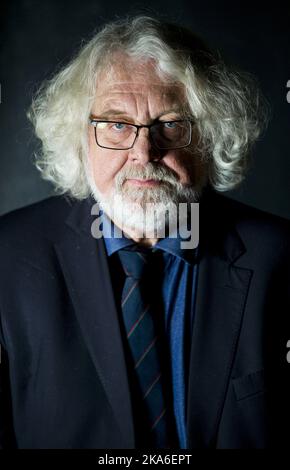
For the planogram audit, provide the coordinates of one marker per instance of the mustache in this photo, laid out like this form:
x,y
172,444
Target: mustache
x,y
153,171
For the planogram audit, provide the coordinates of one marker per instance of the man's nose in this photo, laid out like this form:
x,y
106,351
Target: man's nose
x,y
143,151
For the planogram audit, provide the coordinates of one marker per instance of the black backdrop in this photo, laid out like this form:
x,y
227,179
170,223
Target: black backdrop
x,y
36,36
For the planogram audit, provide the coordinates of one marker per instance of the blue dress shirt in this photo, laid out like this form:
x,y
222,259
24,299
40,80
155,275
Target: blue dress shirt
x,y
178,294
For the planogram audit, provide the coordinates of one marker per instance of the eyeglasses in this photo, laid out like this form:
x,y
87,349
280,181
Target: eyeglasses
x,y
122,136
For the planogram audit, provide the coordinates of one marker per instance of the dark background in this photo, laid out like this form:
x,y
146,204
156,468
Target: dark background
x,y
37,36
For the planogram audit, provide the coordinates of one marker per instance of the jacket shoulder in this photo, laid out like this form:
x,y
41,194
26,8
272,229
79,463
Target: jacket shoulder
x,y
257,228
256,219
41,219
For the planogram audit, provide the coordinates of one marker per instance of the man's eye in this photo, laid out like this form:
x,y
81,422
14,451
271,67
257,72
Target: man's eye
x,y
119,126
170,124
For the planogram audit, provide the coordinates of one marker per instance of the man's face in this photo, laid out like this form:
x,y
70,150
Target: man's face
x,y
135,94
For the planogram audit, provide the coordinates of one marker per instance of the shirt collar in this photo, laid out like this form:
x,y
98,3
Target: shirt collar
x,y
116,240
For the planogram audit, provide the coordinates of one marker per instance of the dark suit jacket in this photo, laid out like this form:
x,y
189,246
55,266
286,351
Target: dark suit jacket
x,y
63,379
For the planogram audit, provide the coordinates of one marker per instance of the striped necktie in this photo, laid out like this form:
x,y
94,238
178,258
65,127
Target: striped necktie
x,y
143,327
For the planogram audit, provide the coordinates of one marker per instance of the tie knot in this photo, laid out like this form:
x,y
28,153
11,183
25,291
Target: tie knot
x,y
136,263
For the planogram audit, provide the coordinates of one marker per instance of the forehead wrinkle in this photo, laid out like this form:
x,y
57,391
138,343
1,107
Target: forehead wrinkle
x,y
137,111
142,101
135,82
138,89
170,95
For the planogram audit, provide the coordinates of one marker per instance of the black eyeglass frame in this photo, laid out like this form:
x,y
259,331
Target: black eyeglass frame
x,y
94,123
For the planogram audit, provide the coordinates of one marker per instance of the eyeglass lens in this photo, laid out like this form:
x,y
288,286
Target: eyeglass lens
x,y
164,135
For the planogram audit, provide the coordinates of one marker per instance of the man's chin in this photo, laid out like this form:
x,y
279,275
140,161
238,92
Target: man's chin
x,y
141,200
143,196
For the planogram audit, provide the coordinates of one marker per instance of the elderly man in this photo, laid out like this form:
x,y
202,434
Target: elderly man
x,y
133,340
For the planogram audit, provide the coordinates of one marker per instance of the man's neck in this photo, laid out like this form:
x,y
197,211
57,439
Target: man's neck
x,y
147,242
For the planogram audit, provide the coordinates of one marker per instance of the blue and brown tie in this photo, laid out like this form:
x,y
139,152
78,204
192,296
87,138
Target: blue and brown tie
x,y
144,330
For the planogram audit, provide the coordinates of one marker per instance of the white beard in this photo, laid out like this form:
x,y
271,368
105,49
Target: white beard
x,y
149,212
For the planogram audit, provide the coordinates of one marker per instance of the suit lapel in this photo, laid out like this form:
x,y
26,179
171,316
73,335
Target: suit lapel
x,y
221,294
86,271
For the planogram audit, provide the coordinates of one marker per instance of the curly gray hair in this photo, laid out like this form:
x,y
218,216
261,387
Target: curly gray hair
x,y
228,108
